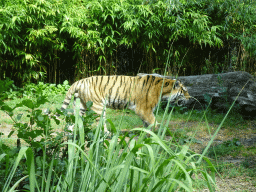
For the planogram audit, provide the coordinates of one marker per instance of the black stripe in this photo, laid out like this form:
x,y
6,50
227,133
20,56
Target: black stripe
x,y
92,80
148,77
97,83
125,94
91,83
128,93
110,91
158,81
83,80
145,82
65,103
95,92
153,78
109,96
101,79
151,81
107,83
117,95
119,103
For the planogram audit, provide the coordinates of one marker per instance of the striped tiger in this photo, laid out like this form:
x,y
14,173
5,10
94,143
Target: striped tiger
x,y
138,93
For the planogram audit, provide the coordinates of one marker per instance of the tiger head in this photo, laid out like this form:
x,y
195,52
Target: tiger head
x,y
175,91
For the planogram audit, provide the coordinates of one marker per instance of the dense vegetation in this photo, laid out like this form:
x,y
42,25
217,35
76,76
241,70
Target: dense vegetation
x,y
50,160
46,158
57,39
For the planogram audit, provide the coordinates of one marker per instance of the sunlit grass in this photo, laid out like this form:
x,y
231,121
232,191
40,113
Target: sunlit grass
x,y
124,119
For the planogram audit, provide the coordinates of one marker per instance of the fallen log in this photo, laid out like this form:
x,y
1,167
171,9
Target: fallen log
x,y
222,90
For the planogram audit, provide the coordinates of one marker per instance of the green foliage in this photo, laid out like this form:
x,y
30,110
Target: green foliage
x,y
144,162
225,148
43,141
31,90
5,86
91,162
26,131
45,89
105,165
32,28
33,31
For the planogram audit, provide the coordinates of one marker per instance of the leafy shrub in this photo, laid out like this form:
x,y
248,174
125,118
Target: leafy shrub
x,y
7,88
32,90
45,143
45,89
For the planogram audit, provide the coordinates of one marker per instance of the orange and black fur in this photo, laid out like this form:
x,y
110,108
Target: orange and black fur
x,y
140,94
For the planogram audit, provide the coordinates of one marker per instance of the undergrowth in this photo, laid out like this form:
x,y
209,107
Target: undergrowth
x,y
141,160
86,160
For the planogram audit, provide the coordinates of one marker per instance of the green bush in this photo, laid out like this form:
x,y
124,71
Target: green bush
x,y
6,86
45,89
31,90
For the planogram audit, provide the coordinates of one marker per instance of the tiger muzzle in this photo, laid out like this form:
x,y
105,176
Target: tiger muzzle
x,y
182,101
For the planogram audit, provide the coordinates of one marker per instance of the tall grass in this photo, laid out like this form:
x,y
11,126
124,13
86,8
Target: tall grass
x,y
142,163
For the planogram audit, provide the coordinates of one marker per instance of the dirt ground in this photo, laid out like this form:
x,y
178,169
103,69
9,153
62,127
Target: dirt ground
x,y
247,137
234,184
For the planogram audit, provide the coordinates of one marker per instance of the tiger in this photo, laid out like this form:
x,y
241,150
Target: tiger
x,y
138,93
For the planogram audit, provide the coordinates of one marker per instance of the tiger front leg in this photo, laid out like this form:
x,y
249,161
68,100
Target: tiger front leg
x,y
147,117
